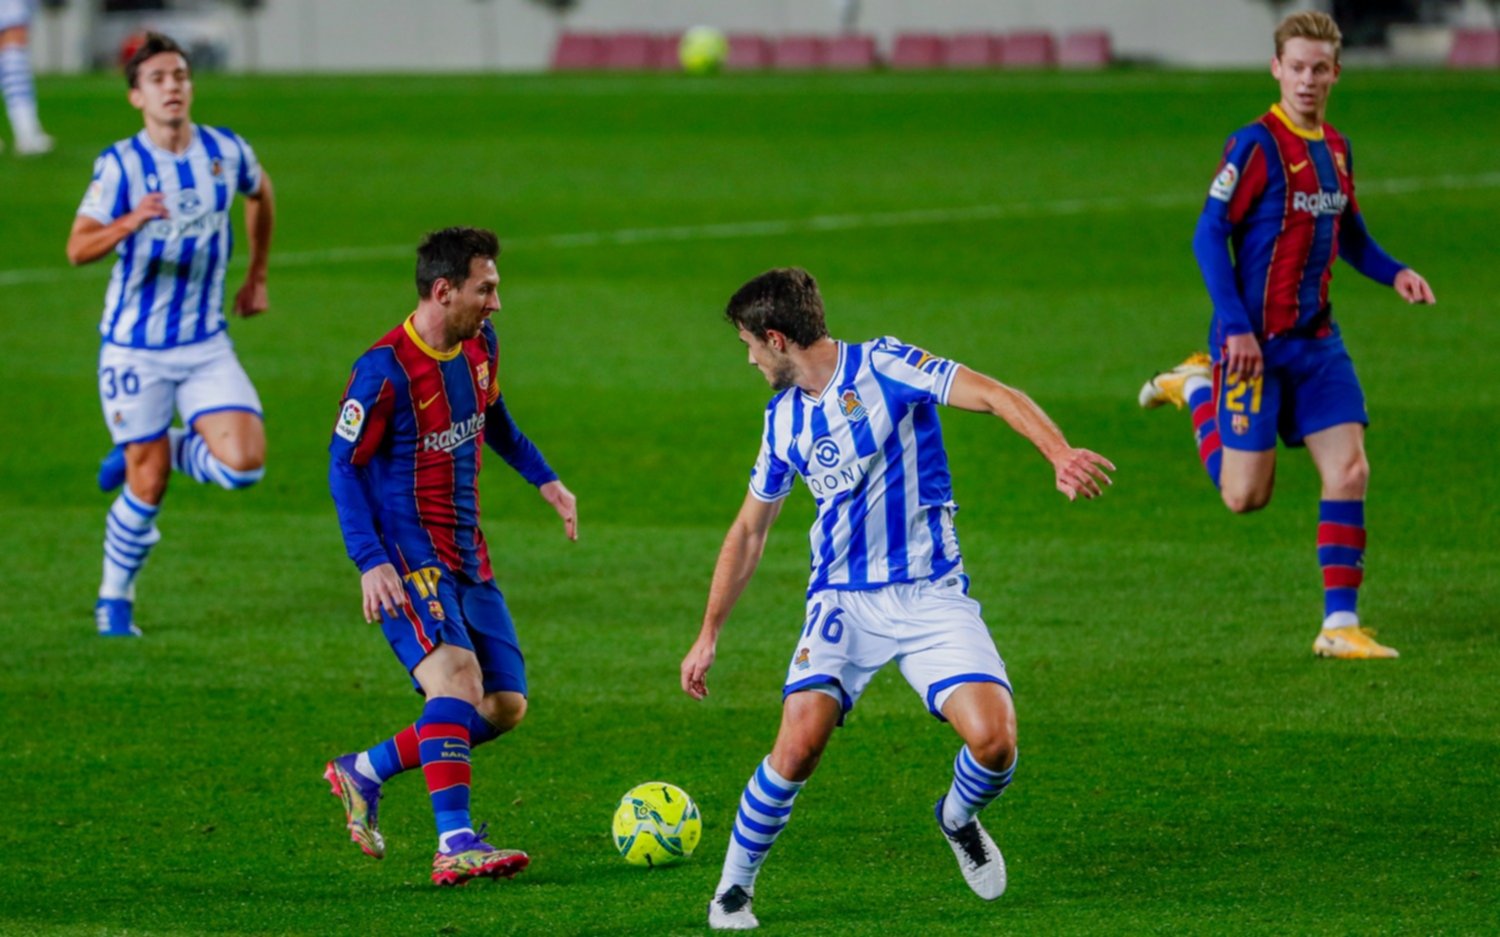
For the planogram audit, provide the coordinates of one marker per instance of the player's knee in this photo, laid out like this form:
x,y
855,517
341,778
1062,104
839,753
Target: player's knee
x,y
1352,479
504,711
996,749
1245,502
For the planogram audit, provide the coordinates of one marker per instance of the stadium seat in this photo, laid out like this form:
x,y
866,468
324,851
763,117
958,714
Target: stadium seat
x,y
1088,49
629,52
851,53
747,52
915,51
974,50
1475,48
578,52
799,53
664,55
1029,50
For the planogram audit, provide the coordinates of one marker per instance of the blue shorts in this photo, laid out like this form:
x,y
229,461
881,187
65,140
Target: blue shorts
x,y
1308,385
449,608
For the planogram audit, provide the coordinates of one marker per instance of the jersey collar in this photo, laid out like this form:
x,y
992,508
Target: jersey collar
x,y
833,380
160,153
426,349
1304,134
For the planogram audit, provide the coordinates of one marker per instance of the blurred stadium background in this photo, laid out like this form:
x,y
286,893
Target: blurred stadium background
x,y
529,35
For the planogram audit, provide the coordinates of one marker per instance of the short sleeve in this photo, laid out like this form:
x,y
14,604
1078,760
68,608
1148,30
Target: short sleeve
x,y
247,182
108,195
917,376
771,477
364,414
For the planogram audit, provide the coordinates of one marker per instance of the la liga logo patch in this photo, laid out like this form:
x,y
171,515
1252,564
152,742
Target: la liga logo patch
x,y
351,420
1224,183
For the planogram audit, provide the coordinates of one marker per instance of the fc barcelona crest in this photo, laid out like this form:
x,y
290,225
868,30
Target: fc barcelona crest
x,y
853,407
435,609
1240,424
1338,157
482,375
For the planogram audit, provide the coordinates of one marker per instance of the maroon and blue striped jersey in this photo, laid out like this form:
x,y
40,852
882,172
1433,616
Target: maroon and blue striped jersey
x,y
406,452
1284,199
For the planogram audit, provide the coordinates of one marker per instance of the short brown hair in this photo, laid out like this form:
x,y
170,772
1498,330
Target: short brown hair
x,y
1309,24
153,44
785,299
449,254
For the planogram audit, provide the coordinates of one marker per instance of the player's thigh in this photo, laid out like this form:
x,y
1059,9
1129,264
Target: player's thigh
x,y
1248,409
136,391
431,619
808,720
1323,390
215,383
492,634
840,647
946,643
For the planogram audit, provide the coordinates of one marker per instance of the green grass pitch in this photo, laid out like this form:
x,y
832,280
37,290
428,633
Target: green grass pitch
x,y
1186,765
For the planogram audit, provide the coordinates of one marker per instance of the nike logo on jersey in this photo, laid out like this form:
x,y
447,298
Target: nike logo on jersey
x,y
1298,167
423,405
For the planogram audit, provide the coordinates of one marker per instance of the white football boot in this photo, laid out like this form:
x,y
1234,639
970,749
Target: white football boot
x,y
731,911
978,857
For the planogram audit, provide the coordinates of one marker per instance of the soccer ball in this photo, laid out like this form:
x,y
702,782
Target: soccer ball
x,y
656,824
702,50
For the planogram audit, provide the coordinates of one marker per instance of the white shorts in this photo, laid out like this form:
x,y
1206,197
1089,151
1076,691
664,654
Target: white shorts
x,y
140,388
933,631
16,13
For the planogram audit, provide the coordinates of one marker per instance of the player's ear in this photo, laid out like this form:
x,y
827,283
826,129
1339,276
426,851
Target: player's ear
x,y
137,100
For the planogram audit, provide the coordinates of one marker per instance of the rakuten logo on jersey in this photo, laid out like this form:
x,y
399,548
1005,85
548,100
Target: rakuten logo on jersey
x,y
1320,203
455,435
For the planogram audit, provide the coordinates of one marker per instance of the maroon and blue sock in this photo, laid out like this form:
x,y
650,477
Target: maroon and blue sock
x,y
1206,429
1341,553
402,752
443,741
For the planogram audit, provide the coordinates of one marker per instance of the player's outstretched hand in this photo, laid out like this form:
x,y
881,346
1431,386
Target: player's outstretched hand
x,y
1081,472
251,300
1243,357
1412,287
695,668
566,506
383,591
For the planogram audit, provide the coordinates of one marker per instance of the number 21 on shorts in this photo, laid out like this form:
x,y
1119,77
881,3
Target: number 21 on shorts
x,y
1234,397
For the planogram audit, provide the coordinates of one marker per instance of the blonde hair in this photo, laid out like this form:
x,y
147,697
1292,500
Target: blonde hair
x,y
1309,24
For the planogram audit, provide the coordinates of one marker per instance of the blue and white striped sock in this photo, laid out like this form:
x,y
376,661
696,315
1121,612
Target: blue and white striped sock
x,y
765,807
974,787
192,457
129,534
19,90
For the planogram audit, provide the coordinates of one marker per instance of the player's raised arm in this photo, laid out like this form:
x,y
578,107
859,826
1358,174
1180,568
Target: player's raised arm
x,y
738,559
1078,471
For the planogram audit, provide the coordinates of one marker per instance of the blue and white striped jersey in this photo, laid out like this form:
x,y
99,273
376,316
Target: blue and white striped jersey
x,y
167,286
870,450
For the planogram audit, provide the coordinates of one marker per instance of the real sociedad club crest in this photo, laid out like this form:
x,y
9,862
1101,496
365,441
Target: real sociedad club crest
x,y
854,408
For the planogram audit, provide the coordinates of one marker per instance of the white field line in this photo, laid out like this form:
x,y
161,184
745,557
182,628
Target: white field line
x,y
777,227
